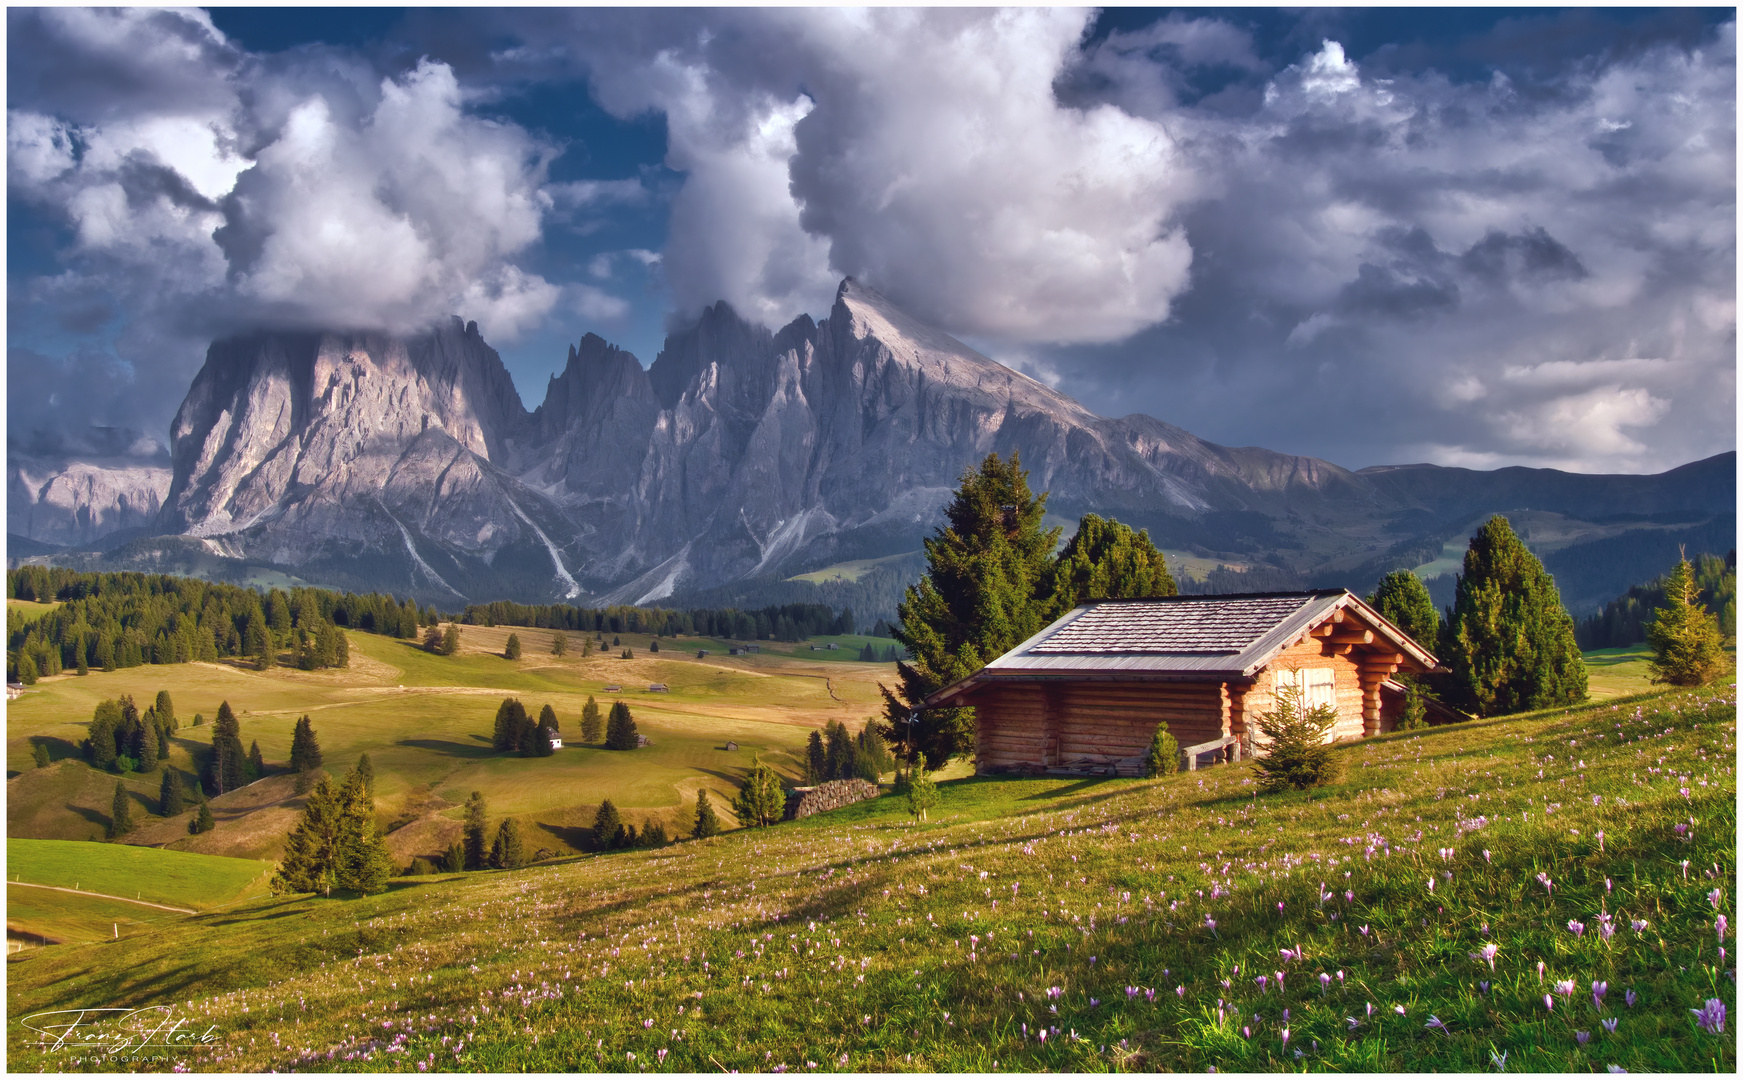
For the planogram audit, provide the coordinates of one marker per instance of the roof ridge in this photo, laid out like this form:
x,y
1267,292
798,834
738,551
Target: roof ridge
x,y
1304,594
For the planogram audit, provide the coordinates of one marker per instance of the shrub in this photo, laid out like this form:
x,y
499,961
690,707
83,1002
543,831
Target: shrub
x,y
1164,756
512,652
1415,716
760,801
1297,757
922,795
39,755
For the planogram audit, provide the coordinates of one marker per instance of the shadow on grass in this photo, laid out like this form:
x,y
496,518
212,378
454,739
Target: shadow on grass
x,y
576,836
58,749
453,749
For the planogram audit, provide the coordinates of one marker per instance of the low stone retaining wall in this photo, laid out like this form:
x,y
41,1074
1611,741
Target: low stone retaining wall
x,y
803,802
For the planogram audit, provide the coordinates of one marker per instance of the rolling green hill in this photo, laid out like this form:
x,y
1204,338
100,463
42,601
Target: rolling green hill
x,y
1176,924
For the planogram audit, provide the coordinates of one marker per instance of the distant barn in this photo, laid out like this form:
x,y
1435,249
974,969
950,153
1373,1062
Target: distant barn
x,y
730,745
1086,693
658,688
613,688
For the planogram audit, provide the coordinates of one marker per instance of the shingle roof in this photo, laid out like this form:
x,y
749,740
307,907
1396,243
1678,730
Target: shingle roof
x,y
1193,625
1180,637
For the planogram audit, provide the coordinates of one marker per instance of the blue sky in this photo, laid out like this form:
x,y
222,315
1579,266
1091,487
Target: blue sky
x,y
1471,236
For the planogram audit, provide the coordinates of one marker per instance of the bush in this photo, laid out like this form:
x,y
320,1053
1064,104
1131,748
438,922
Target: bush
x,y
922,795
1298,757
512,652
1164,756
1415,716
760,801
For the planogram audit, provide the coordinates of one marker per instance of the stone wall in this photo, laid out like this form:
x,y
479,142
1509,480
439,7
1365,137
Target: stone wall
x,y
803,802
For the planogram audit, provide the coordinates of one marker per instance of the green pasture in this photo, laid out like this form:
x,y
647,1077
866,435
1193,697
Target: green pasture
x,y
30,609
1612,673
178,878
851,570
1127,920
67,917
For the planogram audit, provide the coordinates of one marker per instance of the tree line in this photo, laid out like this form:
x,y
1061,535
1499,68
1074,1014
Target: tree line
x,y
120,620
1624,620
780,622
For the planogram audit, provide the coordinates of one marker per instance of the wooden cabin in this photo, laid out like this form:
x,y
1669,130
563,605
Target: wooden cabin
x,y
1085,694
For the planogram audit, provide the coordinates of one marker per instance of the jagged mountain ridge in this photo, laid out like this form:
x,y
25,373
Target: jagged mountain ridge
x,y
739,455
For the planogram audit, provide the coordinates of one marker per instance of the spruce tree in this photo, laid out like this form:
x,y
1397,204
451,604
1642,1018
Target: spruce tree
x,y
816,759
256,763
166,712
761,801
228,758
840,758
171,798
539,739
105,722
607,826
505,852
559,643
305,754
592,724
1403,599
512,726
362,862
707,821
1296,756
1163,758
548,717
922,794
1510,644
39,755
120,812
433,639
982,594
654,835
366,773
1686,647
1105,560
148,745
512,652
454,860
477,856
451,640
202,821
310,862
620,732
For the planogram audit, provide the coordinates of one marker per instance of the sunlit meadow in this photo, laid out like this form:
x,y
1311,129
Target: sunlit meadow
x,y
1546,893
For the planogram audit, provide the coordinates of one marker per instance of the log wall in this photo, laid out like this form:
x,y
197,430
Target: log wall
x,y
1090,725
1262,698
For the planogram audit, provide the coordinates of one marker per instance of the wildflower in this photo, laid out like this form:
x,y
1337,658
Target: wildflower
x,y
1261,980
1617,1069
1577,928
1340,974
1354,1023
1349,896
1285,1037
1549,1003
1499,1061
1565,988
1364,929
1639,925
1629,998
1324,982
1399,1009
1150,995
1487,953
1131,992
1609,1025
1584,1037
1210,923
1180,991
1540,967
1483,987
647,1023
1711,1017
1719,925
1431,883
1715,897
1434,1024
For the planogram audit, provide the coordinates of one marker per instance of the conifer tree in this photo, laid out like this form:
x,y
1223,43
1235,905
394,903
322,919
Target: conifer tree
x,y
84,665
120,812
586,648
1403,599
538,743
1163,758
1105,560
548,717
512,652
868,653
760,800
305,754
1510,644
592,724
707,821
362,862
228,758
148,745
1296,756
171,797
310,862
433,639
505,852
454,860
366,773
105,722
620,732
607,827
654,835
256,763
26,669
451,640
1686,647
166,712
559,643
840,759
982,594
202,821
511,726
477,856
816,759
39,755
922,794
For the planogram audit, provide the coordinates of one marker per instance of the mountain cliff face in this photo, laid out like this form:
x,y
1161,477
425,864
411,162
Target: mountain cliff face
x,y
744,455
68,503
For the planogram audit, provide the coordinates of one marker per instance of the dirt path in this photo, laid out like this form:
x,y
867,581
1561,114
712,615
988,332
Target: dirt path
x,y
105,896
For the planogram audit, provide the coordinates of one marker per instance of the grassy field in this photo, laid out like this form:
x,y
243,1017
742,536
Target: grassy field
x,y
30,609
426,721
179,878
1614,673
38,916
1176,924
852,570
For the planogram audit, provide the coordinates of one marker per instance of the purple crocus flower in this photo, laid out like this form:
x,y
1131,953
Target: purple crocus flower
x,y
1584,1037
1629,998
1609,1025
1578,928
1711,1017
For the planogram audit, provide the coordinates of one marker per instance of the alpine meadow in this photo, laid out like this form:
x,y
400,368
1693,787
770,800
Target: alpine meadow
x,y
906,540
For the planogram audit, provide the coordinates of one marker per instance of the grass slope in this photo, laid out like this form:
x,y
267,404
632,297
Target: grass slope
x,y
1174,924
181,878
426,722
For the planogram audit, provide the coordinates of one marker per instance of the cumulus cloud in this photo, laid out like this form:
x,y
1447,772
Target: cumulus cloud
x,y
923,151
